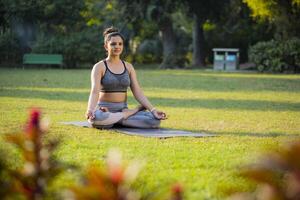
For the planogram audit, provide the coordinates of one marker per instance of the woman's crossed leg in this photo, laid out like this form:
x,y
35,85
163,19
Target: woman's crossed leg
x,y
135,118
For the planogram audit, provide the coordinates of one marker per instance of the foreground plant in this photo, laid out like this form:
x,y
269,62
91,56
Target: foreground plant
x,y
31,180
107,184
40,167
277,175
115,182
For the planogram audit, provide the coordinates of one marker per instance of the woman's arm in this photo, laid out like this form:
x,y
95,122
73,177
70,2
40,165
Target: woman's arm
x,y
139,94
137,91
94,93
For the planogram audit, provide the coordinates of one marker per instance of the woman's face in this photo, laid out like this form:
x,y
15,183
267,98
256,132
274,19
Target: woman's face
x,y
114,46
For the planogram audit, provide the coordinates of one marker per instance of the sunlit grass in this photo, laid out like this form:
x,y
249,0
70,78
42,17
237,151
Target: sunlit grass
x,y
248,112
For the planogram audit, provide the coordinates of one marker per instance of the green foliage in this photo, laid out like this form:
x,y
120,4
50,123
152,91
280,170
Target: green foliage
x,y
261,8
285,15
77,48
149,51
25,10
160,14
74,28
207,9
10,48
49,26
276,56
267,9
236,30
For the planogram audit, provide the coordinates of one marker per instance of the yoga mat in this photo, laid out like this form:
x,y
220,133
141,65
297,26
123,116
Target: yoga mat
x,y
158,133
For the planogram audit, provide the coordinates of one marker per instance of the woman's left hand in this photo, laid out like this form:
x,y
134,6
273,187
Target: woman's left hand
x,y
159,114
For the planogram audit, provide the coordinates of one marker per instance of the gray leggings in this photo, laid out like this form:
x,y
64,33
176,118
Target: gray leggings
x,y
141,119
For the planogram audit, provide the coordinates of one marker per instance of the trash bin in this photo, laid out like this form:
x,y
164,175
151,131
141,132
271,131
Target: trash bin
x,y
226,59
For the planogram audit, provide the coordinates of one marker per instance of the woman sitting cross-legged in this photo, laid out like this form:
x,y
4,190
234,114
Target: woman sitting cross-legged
x,y
110,79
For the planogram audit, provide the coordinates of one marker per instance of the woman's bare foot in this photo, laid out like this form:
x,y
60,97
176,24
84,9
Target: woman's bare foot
x,y
129,112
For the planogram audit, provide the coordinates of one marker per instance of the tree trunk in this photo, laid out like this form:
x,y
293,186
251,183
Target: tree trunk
x,y
198,43
169,45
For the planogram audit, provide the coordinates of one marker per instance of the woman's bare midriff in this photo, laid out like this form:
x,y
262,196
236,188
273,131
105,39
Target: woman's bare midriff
x,y
115,97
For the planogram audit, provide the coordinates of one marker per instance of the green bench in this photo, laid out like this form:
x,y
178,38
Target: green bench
x,y
51,59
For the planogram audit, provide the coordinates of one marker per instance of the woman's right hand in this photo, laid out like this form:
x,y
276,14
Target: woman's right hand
x,y
89,114
159,114
104,109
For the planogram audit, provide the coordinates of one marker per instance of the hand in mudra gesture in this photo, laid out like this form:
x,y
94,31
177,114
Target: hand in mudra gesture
x,y
90,114
159,114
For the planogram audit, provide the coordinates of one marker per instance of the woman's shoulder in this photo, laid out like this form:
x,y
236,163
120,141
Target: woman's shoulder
x,y
99,66
98,69
129,66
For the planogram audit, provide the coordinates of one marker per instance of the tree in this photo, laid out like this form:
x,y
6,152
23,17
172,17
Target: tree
x,y
3,20
283,14
159,12
236,30
27,18
21,18
202,11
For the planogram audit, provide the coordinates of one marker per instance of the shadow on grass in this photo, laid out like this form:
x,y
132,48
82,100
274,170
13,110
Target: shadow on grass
x,y
249,134
239,134
117,129
224,104
218,83
192,80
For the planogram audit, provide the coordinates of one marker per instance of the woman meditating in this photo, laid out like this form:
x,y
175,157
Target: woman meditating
x,y
110,79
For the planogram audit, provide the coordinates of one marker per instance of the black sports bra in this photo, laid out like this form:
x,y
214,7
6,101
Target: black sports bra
x,y
112,82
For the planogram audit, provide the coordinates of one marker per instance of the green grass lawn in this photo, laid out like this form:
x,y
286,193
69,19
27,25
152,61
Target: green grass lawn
x,y
249,113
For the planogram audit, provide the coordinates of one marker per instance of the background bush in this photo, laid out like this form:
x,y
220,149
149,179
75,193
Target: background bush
x,y
149,51
77,48
276,56
11,49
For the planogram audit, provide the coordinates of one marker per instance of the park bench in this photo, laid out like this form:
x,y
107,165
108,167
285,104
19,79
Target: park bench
x,y
51,59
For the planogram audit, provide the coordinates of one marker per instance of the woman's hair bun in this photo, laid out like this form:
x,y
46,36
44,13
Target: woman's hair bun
x,y
110,30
